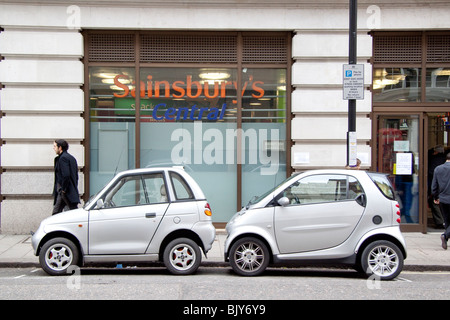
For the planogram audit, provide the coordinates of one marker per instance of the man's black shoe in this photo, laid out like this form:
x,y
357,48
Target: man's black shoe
x,y
444,242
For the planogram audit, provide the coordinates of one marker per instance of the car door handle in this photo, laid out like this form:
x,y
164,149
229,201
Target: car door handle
x,y
150,215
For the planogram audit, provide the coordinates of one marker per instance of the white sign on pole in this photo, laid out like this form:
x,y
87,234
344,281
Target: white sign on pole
x,y
352,149
353,82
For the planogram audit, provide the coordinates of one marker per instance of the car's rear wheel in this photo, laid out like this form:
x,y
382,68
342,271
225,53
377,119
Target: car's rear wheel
x,y
182,256
57,255
249,257
382,260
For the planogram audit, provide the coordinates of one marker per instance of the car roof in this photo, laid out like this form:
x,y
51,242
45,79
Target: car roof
x,y
151,169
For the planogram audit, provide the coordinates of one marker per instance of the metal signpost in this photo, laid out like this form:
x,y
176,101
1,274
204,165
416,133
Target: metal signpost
x,y
353,85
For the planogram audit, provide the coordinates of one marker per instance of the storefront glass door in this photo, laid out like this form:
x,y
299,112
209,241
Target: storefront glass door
x,y
398,142
438,142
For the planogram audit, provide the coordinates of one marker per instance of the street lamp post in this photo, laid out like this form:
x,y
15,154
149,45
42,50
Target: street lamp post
x,y
352,59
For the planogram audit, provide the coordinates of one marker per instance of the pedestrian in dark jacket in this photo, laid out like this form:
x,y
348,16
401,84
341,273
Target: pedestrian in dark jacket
x,y
65,189
440,189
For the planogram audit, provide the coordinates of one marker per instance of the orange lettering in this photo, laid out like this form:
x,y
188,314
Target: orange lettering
x,y
142,89
121,85
166,91
257,89
189,88
216,90
149,86
243,89
176,88
194,89
223,88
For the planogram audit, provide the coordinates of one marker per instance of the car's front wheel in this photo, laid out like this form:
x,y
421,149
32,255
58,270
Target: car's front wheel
x,y
182,256
57,255
382,259
249,256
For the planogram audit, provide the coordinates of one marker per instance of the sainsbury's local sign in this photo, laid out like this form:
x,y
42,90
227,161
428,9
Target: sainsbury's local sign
x,y
181,89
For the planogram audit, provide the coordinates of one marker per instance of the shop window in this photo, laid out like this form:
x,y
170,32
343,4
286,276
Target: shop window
x,y
438,85
396,85
112,123
404,63
264,130
190,102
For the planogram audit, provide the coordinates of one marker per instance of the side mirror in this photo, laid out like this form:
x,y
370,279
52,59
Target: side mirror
x,y
99,204
284,201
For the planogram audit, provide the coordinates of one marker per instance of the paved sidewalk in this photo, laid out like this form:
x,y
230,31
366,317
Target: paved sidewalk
x,y
424,252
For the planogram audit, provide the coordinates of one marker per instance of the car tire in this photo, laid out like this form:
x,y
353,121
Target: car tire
x,y
57,255
182,256
382,260
249,256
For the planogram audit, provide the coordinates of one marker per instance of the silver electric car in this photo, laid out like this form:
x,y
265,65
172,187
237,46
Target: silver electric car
x,y
346,217
141,215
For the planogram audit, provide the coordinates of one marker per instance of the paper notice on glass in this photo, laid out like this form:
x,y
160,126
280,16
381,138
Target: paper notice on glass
x,y
401,146
404,164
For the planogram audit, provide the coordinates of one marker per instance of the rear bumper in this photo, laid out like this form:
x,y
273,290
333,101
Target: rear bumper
x,y
206,232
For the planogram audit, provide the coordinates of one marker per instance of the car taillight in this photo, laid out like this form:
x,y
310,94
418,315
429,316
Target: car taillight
x,y
398,212
208,211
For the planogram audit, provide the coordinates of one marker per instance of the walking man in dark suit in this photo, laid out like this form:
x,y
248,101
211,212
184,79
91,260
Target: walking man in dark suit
x,y
440,189
65,189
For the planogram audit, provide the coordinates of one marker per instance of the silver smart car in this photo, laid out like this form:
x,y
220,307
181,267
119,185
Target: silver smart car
x,y
324,216
141,215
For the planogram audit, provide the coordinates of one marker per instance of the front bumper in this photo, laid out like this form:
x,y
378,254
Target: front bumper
x,y
36,239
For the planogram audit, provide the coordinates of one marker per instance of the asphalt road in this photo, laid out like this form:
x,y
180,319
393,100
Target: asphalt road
x,y
210,284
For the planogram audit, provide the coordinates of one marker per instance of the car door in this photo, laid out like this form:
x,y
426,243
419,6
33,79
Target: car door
x,y
130,216
323,211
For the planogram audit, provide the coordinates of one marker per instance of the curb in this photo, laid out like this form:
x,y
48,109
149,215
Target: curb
x,y
220,264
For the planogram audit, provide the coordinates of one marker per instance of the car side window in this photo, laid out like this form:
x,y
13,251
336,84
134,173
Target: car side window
x,y
354,188
181,188
323,188
127,192
155,188
137,190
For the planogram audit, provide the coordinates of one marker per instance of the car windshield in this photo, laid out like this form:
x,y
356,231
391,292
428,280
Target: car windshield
x,y
91,198
256,199
382,182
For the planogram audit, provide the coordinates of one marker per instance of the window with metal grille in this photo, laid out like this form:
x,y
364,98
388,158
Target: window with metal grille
x,y
392,49
438,48
264,49
411,67
187,48
105,47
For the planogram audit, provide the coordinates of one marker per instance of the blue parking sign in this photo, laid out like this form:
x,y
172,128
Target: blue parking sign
x,y
353,82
